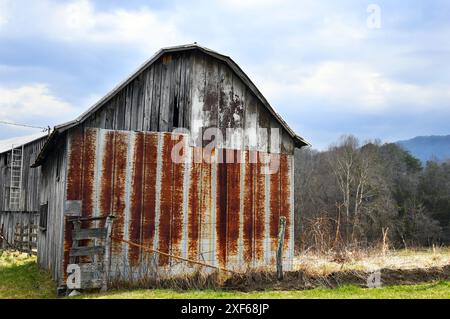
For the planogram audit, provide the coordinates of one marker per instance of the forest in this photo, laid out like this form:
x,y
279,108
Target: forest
x,y
362,195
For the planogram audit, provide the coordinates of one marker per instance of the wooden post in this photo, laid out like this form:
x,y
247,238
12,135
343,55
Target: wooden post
x,y
18,237
281,230
30,238
3,237
107,255
76,227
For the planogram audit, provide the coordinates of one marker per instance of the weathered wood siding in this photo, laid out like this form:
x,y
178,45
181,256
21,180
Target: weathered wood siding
x,y
52,187
220,99
147,103
8,222
195,91
29,200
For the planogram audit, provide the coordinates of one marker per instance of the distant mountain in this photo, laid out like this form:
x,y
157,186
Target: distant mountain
x,y
428,148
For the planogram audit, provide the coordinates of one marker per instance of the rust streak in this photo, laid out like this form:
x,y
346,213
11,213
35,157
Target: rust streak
x,y
194,206
221,209
285,196
249,185
120,166
87,205
233,203
166,199
259,209
149,201
177,203
206,211
136,198
107,174
74,174
274,208
90,143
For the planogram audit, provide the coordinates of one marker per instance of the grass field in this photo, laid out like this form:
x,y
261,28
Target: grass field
x,y
439,290
20,278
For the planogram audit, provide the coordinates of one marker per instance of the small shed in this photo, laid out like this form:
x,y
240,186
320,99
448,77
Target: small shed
x,y
218,204
19,193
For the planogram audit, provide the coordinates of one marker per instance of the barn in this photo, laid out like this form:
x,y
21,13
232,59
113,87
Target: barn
x,y
19,193
187,164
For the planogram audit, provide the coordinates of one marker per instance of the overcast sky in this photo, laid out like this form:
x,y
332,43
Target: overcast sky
x,y
325,67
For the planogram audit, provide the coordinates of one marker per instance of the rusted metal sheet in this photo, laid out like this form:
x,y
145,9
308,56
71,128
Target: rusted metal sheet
x,y
178,206
249,203
149,187
275,205
207,220
260,202
287,201
224,213
89,157
119,186
233,204
135,220
166,199
194,221
221,209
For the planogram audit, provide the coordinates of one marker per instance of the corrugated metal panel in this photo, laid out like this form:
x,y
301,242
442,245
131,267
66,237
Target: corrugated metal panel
x,y
222,213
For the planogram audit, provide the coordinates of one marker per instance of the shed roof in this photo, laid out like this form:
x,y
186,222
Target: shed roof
x,y
7,144
298,140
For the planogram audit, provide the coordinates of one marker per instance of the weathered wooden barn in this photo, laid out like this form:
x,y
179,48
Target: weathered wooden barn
x,y
19,193
117,159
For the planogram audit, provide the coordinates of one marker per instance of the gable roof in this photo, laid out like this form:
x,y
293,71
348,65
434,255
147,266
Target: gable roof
x,y
298,140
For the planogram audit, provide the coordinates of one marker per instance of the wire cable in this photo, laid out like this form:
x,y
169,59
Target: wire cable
x,y
26,125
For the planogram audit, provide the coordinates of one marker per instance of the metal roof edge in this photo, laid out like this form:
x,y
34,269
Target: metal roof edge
x,y
26,143
42,153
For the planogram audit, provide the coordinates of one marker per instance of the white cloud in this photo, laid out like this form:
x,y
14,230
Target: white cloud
x,y
80,21
237,5
4,4
355,88
31,101
338,30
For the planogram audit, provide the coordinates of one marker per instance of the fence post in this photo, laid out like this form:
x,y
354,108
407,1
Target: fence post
x,y
281,230
30,238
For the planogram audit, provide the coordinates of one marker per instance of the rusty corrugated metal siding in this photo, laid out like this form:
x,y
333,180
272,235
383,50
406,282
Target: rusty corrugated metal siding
x,y
225,214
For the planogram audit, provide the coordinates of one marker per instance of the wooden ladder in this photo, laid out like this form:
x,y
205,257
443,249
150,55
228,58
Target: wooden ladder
x,y
92,274
15,185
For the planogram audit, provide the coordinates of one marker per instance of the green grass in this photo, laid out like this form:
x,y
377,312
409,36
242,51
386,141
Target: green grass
x,y
425,291
20,278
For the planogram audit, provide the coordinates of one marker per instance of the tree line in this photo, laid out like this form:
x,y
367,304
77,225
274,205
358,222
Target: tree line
x,y
362,195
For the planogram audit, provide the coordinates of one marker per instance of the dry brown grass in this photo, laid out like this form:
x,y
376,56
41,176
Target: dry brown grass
x,y
401,267
371,260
